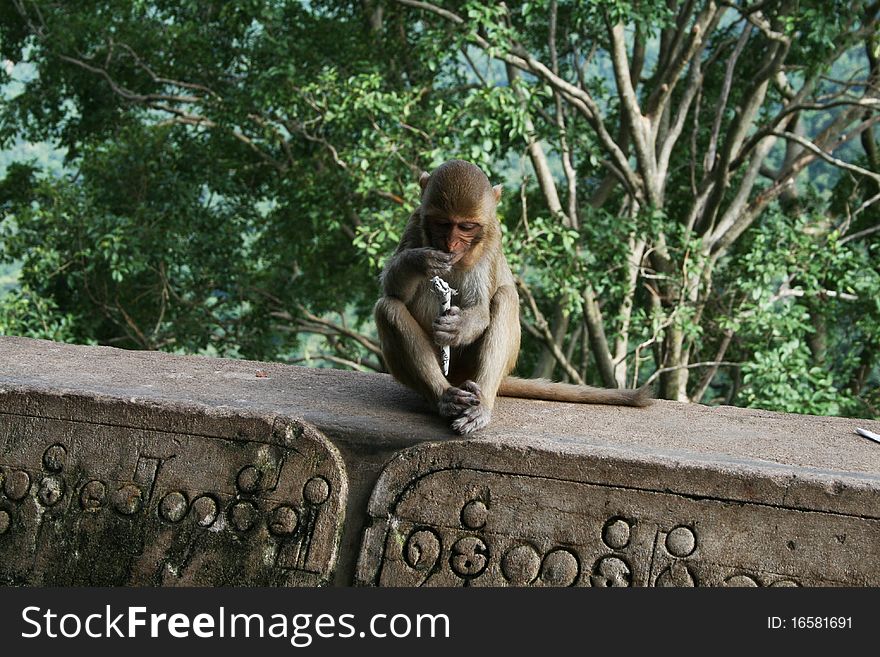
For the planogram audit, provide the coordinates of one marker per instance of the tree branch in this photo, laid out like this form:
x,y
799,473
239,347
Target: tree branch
x,y
639,125
577,96
543,329
703,26
723,96
827,156
690,366
867,231
311,323
539,159
697,395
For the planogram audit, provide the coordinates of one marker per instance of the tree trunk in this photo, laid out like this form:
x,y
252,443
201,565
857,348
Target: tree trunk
x,y
673,384
547,361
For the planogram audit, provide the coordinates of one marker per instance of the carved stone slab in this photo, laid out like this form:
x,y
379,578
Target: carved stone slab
x,y
485,513
106,492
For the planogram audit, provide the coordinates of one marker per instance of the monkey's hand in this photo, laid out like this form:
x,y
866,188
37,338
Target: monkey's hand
x,y
432,262
447,328
474,417
455,402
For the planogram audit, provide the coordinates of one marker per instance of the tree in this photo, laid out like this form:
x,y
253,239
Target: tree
x,y
716,111
696,181
207,208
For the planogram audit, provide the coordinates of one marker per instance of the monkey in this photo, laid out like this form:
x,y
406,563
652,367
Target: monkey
x,y
455,233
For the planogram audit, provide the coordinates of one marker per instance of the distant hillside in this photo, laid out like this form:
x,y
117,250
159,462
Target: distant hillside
x,y
9,276
43,155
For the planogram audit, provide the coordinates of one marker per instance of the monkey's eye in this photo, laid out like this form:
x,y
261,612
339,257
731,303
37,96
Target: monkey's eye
x,y
467,227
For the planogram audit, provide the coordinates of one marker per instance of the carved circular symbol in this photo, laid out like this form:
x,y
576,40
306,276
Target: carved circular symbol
x,y
616,533
284,521
681,542
4,521
248,480
474,515
520,565
470,556
17,485
205,510
54,457
677,575
173,506
243,515
422,550
611,572
741,580
560,568
316,490
127,500
51,490
92,495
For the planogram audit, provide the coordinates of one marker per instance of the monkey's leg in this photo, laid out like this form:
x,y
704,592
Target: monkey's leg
x,y
497,355
411,358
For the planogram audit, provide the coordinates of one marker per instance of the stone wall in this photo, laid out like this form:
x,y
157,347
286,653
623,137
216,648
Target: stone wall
x,y
136,468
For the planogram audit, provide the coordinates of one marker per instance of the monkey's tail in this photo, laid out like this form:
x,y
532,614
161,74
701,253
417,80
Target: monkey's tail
x,y
513,386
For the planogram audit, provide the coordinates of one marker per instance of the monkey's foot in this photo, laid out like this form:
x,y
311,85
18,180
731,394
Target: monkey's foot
x,y
455,402
473,419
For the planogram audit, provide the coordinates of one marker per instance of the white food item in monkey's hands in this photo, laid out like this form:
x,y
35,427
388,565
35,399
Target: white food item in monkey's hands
x,y
444,295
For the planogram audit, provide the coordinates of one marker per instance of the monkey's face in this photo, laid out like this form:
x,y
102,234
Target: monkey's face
x,y
455,235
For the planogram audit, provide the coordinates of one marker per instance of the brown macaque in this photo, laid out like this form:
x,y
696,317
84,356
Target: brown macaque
x,y
454,234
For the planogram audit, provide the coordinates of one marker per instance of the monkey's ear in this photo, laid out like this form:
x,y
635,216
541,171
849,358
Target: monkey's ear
x,y
497,189
423,180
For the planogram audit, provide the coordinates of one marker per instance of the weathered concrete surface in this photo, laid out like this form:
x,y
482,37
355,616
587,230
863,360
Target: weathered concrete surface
x,y
499,512
104,491
548,494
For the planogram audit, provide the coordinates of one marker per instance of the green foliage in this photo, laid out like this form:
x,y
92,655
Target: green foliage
x,y
543,249
229,179
202,234
784,379
24,313
793,281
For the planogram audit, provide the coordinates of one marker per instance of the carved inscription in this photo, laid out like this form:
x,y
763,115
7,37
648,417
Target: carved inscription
x,y
102,504
467,527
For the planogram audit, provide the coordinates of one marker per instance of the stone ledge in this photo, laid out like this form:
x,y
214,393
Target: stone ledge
x,y
290,459
494,512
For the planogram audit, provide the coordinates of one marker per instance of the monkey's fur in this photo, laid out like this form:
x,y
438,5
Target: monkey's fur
x,y
454,234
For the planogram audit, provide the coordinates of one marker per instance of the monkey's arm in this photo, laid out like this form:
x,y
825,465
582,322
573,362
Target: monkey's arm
x,y
412,263
497,356
500,346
